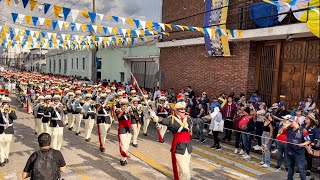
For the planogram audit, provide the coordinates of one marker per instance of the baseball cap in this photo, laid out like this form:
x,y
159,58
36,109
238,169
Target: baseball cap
x,y
274,106
288,117
282,104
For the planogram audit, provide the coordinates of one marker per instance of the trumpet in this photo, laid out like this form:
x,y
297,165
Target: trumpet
x,y
119,110
6,110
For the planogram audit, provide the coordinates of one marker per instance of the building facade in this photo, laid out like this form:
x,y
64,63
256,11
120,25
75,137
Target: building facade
x,y
36,60
282,62
115,63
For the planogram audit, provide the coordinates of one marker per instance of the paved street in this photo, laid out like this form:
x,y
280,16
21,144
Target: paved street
x,y
151,160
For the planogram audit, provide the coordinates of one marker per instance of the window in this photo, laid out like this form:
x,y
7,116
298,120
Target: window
x,y
77,63
83,63
121,76
60,66
65,66
72,63
54,66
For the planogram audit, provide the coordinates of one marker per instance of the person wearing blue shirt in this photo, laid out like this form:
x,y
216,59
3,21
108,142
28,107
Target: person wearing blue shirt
x,y
214,103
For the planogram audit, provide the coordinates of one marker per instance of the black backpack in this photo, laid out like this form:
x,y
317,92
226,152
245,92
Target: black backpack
x,y
45,167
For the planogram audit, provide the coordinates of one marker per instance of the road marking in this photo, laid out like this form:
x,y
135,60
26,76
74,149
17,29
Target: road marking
x,y
197,159
223,163
81,173
254,156
236,160
1,176
153,163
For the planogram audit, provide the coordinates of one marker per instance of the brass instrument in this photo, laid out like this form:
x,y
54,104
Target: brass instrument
x,y
119,110
6,110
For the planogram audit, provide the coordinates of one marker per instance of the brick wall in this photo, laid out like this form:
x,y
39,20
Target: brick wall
x,y
190,65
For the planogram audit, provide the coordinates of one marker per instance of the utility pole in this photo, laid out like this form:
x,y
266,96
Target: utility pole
x,y
93,50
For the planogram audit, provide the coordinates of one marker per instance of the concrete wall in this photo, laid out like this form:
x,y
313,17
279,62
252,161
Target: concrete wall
x,y
71,70
113,63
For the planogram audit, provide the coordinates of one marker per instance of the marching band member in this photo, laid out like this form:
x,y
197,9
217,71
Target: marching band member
x,y
146,117
47,115
39,112
136,120
181,127
56,122
77,111
70,115
7,116
163,109
64,103
124,129
88,116
104,120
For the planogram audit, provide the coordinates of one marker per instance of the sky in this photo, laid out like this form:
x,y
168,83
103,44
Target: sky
x,y
149,10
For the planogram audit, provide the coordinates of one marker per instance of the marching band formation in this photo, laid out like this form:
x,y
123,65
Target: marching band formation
x,y
58,102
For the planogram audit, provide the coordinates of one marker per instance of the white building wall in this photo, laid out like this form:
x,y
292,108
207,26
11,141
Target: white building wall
x,y
69,63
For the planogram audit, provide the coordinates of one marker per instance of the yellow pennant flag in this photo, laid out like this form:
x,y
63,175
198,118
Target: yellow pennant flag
x,y
169,26
149,25
33,4
66,25
3,35
57,10
115,31
109,17
37,33
130,21
54,36
5,29
29,45
199,29
42,40
68,36
129,32
228,32
28,19
30,39
100,28
186,27
48,22
142,32
8,1
47,46
85,13
22,32
17,37
240,34
84,27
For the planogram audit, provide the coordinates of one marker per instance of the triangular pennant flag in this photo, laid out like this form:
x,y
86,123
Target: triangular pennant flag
x,y
54,24
155,25
46,7
21,18
63,36
124,31
109,30
66,25
130,21
181,27
137,32
92,16
57,10
72,26
100,28
49,35
78,26
60,24
48,22
115,18
115,31
123,20
85,13
105,30
101,16
32,33
162,26
25,3
41,21
66,12
89,27
8,2
143,24
14,17
149,25
35,20
232,32
142,32
28,19
33,4
74,14
209,31
169,26
84,27
240,34
95,28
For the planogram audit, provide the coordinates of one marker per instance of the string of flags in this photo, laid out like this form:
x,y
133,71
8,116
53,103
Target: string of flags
x,y
134,23
52,23
11,37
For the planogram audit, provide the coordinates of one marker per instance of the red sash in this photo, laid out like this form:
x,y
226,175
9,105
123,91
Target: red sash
x,y
177,138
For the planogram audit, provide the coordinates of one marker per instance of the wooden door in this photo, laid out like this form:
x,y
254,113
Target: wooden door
x,y
312,69
267,71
